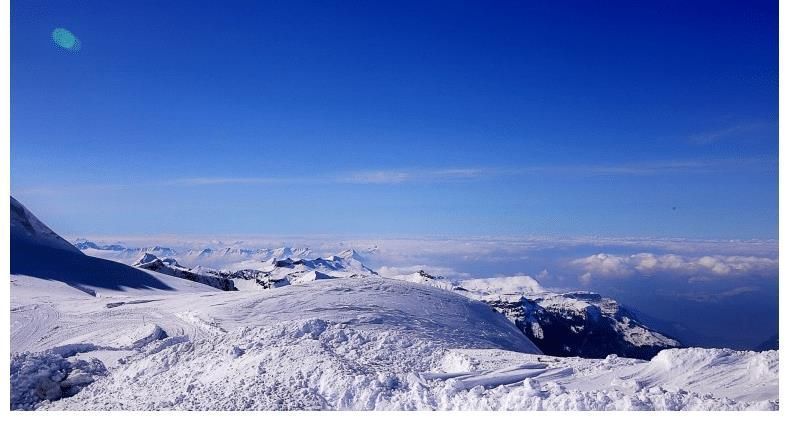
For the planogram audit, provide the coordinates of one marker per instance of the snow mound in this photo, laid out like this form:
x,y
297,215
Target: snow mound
x,y
738,374
316,364
44,376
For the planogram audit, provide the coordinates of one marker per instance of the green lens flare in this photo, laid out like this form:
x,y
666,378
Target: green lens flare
x,y
65,39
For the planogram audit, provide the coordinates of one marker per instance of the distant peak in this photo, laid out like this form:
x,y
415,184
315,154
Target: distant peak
x,y
349,254
145,259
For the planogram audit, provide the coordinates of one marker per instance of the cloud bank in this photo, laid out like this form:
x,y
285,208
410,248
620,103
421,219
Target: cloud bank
x,y
619,266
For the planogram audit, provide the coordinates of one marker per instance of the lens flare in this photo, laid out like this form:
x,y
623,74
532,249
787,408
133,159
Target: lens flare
x,y
65,39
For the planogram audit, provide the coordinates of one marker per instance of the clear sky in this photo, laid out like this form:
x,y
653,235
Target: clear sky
x,y
357,118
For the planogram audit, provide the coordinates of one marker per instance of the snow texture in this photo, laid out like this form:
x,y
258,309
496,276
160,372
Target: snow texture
x,y
130,339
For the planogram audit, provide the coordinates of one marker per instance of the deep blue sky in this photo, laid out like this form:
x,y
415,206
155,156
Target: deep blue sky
x,y
454,118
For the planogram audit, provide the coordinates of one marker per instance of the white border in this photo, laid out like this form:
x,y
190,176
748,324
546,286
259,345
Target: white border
x,y
363,420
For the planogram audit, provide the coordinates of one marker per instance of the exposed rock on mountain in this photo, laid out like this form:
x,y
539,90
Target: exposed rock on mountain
x,y
561,324
171,267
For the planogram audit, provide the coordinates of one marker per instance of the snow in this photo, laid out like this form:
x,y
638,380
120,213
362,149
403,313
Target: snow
x,y
580,323
40,376
27,229
90,334
362,344
38,253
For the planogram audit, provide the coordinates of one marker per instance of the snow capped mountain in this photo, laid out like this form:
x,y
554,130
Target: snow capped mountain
x,y
350,254
171,267
576,324
582,324
223,258
255,274
27,229
143,340
562,324
84,244
157,249
39,253
286,252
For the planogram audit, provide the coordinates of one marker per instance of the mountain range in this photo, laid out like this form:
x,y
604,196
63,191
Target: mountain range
x,y
90,333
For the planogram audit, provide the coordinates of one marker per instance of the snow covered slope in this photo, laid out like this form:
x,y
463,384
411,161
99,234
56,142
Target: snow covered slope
x,y
353,343
39,253
27,230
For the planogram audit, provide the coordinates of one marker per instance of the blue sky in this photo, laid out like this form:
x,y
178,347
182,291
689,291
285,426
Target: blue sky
x,y
358,118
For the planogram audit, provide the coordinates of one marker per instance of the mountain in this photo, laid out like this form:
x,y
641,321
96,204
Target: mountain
x,y
581,324
358,343
566,324
39,253
266,274
84,244
171,267
28,231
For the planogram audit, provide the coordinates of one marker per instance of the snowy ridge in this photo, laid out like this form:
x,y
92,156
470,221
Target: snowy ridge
x,y
39,253
27,228
221,258
563,324
171,267
257,275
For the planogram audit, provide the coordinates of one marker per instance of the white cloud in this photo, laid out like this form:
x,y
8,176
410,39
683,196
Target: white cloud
x,y
402,176
618,266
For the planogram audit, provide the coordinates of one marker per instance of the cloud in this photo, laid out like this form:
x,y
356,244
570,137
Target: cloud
x,y
402,176
429,175
730,131
698,268
201,181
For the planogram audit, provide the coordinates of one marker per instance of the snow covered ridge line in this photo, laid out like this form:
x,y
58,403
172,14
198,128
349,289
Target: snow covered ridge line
x,y
26,228
256,275
581,324
218,257
171,267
